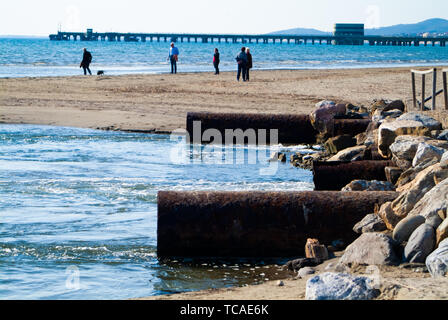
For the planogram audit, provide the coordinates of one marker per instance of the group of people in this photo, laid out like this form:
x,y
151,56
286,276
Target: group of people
x,y
243,59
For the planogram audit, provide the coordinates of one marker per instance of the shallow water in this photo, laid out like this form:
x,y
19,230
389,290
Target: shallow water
x,y
78,211
42,57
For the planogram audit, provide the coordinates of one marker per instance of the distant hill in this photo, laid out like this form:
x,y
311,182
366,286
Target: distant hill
x,y
302,31
432,26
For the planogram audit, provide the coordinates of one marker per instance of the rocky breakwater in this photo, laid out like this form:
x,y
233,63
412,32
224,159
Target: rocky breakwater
x,y
411,230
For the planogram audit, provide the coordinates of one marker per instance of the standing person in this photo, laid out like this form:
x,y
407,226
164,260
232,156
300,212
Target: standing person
x,y
216,61
86,60
249,63
241,59
173,57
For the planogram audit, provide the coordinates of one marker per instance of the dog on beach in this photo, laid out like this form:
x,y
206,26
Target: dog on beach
x,y
100,73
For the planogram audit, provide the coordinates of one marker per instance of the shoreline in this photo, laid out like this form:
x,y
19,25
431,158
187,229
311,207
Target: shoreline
x,y
342,68
159,102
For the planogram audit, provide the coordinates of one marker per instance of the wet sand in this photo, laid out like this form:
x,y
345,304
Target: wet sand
x,y
160,102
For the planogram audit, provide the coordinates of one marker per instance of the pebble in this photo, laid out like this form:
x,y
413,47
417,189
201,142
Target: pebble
x,y
280,283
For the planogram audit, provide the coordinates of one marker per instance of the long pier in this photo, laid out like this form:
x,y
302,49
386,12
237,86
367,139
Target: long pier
x,y
240,38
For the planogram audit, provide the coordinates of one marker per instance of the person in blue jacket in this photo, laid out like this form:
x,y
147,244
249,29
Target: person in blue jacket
x,y
173,57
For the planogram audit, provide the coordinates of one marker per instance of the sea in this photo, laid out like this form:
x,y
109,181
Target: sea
x,y
78,211
78,207
37,57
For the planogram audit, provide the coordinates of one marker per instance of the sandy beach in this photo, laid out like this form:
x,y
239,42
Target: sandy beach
x,y
395,283
160,102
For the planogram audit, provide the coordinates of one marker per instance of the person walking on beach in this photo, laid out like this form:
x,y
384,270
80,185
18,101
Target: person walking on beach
x,y
86,61
241,59
249,63
216,61
173,57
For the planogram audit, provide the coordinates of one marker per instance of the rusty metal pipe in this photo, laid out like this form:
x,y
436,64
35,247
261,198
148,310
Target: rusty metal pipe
x,y
334,175
257,224
292,128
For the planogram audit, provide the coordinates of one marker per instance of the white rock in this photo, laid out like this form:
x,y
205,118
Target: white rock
x,y
426,152
427,121
437,262
339,286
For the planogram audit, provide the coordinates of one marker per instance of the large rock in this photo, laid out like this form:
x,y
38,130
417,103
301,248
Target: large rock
x,y
365,185
388,215
396,104
349,154
370,223
426,152
442,232
389,130
437,262
421,243
406,227
336,144
405,147
433,201
371,249
425,120
297,264
413,192
443,135
322,118
313,249
340,286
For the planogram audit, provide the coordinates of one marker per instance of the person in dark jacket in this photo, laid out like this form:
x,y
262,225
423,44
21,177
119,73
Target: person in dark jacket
x,y
86,60
241,59
249,63
216,61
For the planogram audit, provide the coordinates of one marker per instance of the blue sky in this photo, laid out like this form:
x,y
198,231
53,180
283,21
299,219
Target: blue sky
x,y
20,17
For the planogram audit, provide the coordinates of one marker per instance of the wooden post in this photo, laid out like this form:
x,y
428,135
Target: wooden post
x,y
423,92
434,89
445,93
414,95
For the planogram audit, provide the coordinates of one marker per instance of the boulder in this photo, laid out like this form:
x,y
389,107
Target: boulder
x,y
392,174
406,227
421,243
410,174
426,152
322,118
437,261
442,232
313,249
371,249
336,144
304,272
434,221
405,147
365,185
433,201
389,130
370,223
444,157
349,154
428,122
443,135
297,264
340,286
388,215
414,192
396,104
391,114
